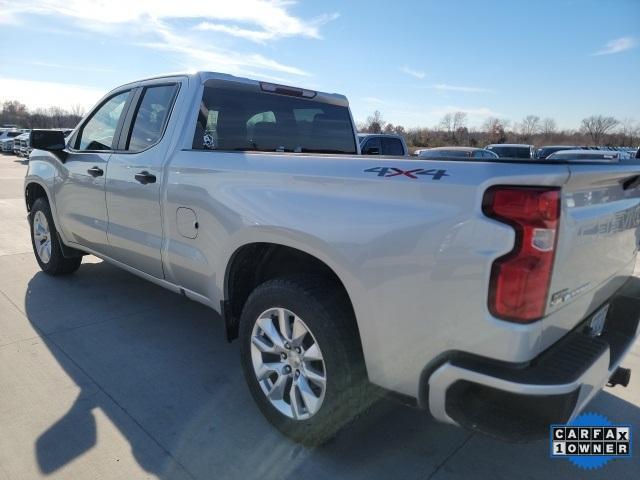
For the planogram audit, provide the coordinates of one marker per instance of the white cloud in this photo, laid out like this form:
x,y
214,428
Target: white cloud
x,y
268,15
375,100
80,68
616,46
413,73
170,27
456,88
7,17
36,94
472,112
270,32
212,58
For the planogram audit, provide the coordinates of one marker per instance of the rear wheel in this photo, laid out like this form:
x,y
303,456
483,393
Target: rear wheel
x,y
45,241
301,357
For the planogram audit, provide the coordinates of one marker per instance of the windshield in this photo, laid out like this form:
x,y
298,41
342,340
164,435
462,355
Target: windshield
x,y
242,120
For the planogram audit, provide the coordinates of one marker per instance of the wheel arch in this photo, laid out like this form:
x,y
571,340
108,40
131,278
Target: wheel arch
x,y
254,263
34,190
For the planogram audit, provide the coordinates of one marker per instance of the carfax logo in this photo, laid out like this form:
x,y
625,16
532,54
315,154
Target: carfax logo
x,y
590,441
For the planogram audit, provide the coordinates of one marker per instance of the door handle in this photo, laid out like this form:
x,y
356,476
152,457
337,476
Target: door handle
x,y
145,177
95,172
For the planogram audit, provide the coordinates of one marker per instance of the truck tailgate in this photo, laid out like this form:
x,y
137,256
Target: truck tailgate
x,y
597,243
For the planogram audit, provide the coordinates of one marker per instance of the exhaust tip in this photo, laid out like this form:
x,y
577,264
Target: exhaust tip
x,y
620,377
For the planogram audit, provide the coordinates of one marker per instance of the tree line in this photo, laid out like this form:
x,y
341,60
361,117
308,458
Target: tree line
x,y
453,129
13,112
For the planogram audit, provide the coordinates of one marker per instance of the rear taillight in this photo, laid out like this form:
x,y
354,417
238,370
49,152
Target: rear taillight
x,y
520,280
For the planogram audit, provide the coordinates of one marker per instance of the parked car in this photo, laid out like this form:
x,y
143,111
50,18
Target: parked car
x,y
589,155
474,290
7,138
382,144
512,150
452,153
544,152
20,144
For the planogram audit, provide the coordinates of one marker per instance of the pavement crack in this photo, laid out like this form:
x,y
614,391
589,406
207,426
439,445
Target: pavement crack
x,y
451,455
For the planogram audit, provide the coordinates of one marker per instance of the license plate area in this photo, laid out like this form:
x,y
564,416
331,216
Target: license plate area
x,y
595,325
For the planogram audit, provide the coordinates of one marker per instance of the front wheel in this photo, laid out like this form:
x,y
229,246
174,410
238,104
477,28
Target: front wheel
x,y
302,359
45,241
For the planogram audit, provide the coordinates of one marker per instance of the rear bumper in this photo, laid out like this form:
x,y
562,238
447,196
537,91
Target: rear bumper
x,y
518,402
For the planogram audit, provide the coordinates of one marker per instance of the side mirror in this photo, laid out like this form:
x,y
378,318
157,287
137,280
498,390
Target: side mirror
x,y
50,140
372,151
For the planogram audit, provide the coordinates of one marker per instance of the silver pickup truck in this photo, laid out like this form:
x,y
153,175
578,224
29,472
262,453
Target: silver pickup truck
x,y
497,295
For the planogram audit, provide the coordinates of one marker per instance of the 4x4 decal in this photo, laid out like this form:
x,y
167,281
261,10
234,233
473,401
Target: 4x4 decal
x,y
413,173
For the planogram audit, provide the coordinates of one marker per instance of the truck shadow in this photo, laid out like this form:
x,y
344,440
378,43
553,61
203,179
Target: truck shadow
x,y
159,367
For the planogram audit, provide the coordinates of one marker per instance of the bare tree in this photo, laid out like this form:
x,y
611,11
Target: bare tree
x,y
495,129
389,128
596,126
459,121
77,110
14,112
460,131
446,124
548,126
375,123
628,131
529,126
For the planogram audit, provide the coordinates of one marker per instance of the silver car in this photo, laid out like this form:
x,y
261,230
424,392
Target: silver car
x,y
462,153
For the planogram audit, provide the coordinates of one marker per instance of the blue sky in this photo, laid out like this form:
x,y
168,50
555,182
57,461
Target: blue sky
x,y
412,60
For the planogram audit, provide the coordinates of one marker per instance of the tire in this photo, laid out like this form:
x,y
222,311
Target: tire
x,y
49,256
325,312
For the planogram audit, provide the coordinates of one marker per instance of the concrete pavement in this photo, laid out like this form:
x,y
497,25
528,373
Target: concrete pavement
x,y
106,376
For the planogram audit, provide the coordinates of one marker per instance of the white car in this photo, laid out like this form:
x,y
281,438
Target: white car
x,y
453,153
20,144
6,139
589,155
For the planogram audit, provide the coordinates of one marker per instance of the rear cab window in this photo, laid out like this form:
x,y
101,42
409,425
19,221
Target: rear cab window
x,y
241,118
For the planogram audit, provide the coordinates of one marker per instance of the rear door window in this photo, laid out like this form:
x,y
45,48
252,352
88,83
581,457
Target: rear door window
x,y
370,145
151,117
392,146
